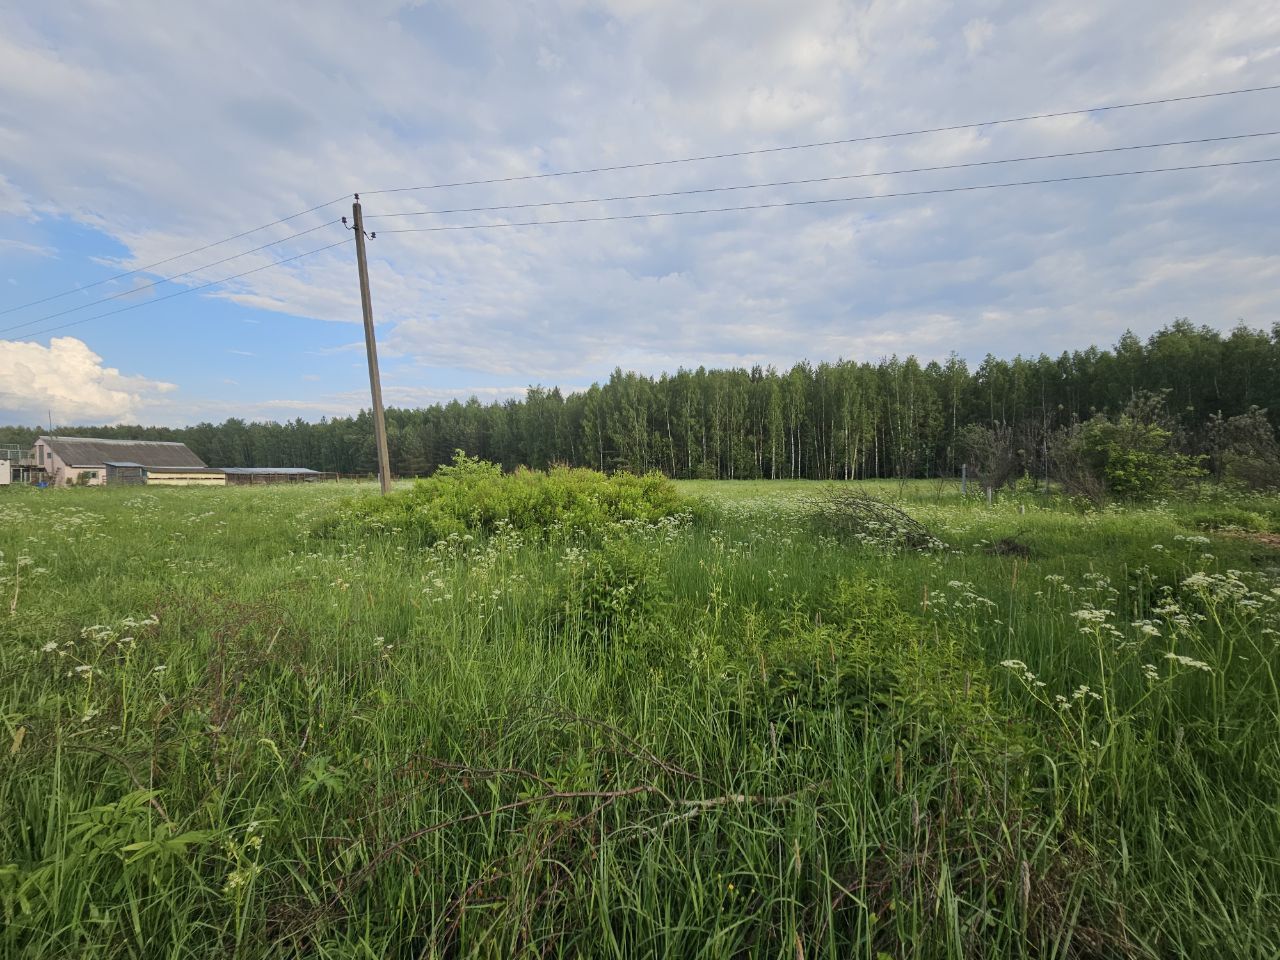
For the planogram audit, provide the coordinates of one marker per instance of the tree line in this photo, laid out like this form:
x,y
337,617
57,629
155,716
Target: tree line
x,y
846,419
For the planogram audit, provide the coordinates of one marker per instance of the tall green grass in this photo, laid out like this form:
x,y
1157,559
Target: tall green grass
x,y
740,735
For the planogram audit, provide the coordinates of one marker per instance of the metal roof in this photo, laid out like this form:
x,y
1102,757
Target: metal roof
x,y
262,471
90,452
183,470
122,463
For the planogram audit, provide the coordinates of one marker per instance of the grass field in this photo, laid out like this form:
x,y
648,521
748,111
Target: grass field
x,y
737,734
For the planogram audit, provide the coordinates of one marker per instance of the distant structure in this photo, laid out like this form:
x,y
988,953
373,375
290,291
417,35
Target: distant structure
x,y
92,462
86,461
15,466
237,476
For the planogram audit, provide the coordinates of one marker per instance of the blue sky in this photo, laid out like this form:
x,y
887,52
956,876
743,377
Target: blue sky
x,y
132,131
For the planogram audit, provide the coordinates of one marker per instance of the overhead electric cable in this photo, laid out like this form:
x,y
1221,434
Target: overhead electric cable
x,y
807,203
179,256
867,138
156,283
211,283
809,180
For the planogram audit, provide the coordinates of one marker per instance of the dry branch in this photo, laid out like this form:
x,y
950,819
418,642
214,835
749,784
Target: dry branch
x,y
845,511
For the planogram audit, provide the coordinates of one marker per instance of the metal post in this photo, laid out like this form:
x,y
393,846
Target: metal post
x,y
371,348
964,479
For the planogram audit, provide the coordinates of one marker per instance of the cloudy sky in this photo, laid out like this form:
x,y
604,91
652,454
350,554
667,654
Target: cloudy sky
x,y
132,131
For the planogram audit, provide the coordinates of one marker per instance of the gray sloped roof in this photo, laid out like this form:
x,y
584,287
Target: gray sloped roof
x,y
269,471
166,469
87,452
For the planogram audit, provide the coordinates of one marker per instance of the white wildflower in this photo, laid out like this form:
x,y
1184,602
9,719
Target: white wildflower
x,y
1188,662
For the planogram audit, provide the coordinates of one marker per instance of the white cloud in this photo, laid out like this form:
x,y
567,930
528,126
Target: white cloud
x,y
549,61
977,33
32,249
70,380
126,119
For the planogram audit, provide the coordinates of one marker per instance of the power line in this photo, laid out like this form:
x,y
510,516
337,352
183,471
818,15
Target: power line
x,y
180,293
156,283
809,180
655,163
829,143
806,203
160,263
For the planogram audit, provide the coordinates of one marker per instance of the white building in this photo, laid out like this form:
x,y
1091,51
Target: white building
x,y
84,460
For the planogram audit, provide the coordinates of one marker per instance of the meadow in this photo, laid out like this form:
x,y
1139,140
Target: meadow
x,y
233,726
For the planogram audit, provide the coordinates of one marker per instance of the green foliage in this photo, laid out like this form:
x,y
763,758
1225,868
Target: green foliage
x,y
876,661
892,418
474,497
1229,517
732,738
1244,450
1132,453
611,591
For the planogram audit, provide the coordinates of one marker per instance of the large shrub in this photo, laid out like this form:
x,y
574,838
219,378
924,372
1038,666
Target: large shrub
x,y
473,496
1130,456
1244,450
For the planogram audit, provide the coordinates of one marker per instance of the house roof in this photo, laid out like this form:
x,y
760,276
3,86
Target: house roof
x,y
88,452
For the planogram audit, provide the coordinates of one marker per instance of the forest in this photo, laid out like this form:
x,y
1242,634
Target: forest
x,y
892,418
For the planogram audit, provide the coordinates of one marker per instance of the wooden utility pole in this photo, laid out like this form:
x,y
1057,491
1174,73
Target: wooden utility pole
x,y
371,348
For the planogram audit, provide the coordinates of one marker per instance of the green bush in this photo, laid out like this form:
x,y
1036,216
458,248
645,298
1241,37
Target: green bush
x,y
475,497
1229,517
616,589
1132,455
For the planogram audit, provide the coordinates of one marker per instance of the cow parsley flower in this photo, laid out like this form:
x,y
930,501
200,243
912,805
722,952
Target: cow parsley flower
x,y
1188,662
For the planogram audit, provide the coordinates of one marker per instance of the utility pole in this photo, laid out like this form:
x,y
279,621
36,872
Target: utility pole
x,y
371,348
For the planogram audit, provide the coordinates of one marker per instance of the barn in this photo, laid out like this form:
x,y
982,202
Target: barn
x,y
94,462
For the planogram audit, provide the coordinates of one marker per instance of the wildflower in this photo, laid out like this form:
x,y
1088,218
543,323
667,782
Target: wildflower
x,y
235,880
1188,662
1091,615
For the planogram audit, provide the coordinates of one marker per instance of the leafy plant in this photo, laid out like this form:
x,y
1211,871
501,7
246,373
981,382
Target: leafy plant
x,y
472,496
1130,456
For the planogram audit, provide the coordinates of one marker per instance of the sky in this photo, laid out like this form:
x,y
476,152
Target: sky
x,y
133,132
